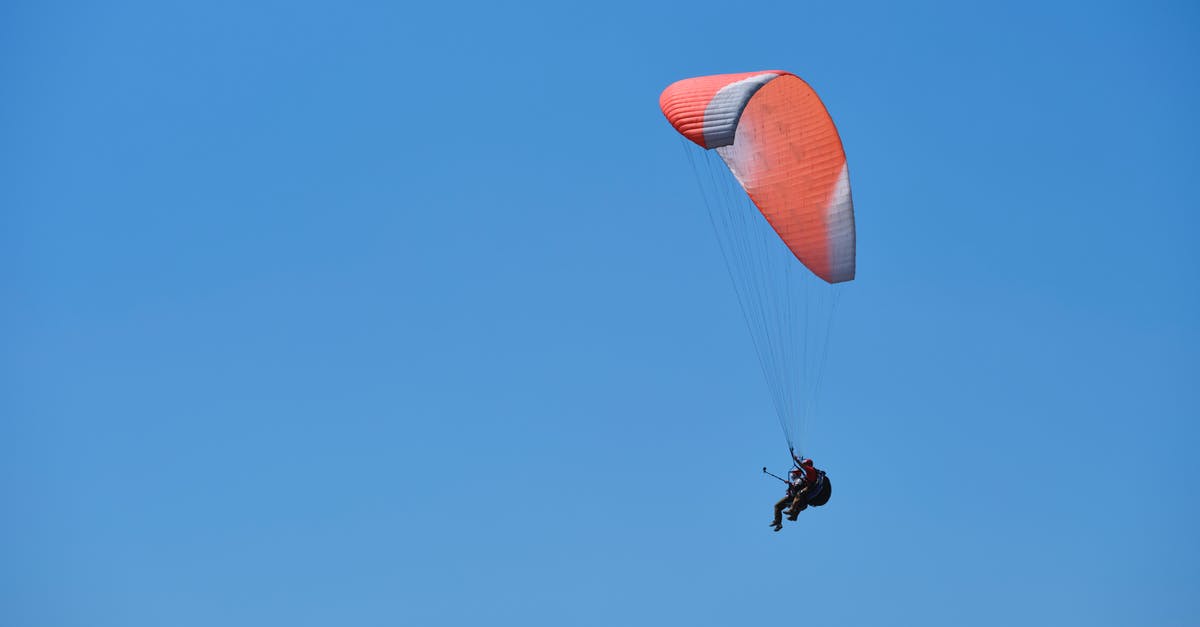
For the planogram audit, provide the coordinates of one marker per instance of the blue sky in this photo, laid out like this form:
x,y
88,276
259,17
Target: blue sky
x,y
378,314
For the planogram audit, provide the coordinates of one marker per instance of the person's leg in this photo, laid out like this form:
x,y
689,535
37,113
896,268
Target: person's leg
x,y
783,502
799,504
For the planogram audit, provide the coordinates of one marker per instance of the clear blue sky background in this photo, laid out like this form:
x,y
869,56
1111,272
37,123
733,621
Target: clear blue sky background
x,y
391,314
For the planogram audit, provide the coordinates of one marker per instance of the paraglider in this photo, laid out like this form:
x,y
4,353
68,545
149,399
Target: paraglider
x,y
785,222
806,485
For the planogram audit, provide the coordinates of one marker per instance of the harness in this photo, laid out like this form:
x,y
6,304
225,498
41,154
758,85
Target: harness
x,y
814,479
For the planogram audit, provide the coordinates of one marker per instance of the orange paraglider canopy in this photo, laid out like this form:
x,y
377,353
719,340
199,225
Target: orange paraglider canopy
x,y
779,141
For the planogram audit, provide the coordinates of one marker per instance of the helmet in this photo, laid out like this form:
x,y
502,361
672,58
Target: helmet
x,y
806,462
